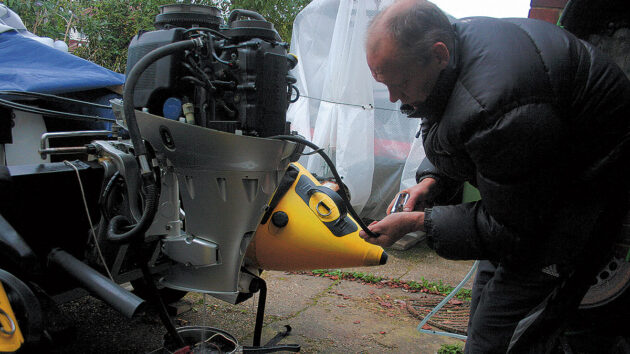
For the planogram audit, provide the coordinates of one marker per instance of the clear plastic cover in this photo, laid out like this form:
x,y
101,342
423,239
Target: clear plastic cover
x,y
344,110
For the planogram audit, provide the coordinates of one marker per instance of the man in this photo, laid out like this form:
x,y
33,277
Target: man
x,y
539,122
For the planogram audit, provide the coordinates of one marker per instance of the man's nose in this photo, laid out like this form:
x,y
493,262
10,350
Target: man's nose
x,y
394,95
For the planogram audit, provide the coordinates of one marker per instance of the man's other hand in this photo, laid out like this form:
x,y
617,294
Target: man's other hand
x,y
418,196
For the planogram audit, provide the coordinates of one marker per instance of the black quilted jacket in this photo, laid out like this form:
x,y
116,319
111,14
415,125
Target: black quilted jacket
x,y
538,121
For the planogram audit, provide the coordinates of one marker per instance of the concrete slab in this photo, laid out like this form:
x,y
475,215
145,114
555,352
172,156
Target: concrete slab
x,y
351,317
408,241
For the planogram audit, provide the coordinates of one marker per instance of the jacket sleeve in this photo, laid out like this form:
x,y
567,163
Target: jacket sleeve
x,y
465,241
446,188
520,160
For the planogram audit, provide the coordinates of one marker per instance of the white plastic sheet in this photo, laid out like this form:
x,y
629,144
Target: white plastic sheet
x,y
344,110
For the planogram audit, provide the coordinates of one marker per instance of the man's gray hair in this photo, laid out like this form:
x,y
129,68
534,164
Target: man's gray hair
x,y
416,29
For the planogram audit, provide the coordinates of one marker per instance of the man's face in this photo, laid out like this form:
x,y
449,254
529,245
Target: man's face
x,y
412,81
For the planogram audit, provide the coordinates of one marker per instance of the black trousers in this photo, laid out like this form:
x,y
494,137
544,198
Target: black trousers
x,y
501,298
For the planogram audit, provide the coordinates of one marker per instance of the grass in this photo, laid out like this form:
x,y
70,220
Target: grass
x,y
438,288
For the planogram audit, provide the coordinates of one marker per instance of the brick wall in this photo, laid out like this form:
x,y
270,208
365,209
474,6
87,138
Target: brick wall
x,y
546,10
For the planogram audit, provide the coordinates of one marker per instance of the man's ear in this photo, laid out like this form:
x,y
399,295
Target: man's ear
x,y
440,52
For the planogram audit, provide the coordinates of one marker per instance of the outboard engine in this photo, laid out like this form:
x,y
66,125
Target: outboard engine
x,y
202,103
234,80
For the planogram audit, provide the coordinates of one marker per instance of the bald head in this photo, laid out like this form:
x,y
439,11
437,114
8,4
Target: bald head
x,y
380,26
413,26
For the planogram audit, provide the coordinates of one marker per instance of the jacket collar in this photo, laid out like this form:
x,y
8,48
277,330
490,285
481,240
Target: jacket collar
x,y
433,108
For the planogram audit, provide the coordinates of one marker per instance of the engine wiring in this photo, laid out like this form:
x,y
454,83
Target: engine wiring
x,y
52,113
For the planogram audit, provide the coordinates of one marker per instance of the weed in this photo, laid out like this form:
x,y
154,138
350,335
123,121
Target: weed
x,y
424,285
451,349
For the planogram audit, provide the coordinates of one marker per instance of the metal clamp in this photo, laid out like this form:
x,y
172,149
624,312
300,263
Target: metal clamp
x,y
11,323
321,202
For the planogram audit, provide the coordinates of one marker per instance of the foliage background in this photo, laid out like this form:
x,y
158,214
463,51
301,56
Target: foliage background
x,y
110,24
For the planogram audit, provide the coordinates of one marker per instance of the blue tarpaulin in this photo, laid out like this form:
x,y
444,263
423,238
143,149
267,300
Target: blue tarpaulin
x,y
27,65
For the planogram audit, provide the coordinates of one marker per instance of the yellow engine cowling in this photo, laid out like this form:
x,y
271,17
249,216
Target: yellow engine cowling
x,y
306,227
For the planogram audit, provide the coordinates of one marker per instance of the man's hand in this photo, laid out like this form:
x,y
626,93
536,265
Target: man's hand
x,y
418,196
393,227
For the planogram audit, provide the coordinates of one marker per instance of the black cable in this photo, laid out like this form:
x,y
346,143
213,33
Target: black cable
x,y
312,152
230,112
51,113
53,98
342,191
105,195
216,57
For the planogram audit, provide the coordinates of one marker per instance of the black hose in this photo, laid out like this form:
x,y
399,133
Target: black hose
x,y
240,12
132,78
342,191
118,224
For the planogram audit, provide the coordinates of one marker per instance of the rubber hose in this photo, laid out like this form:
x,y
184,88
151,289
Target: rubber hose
x,y
117,223
240,12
